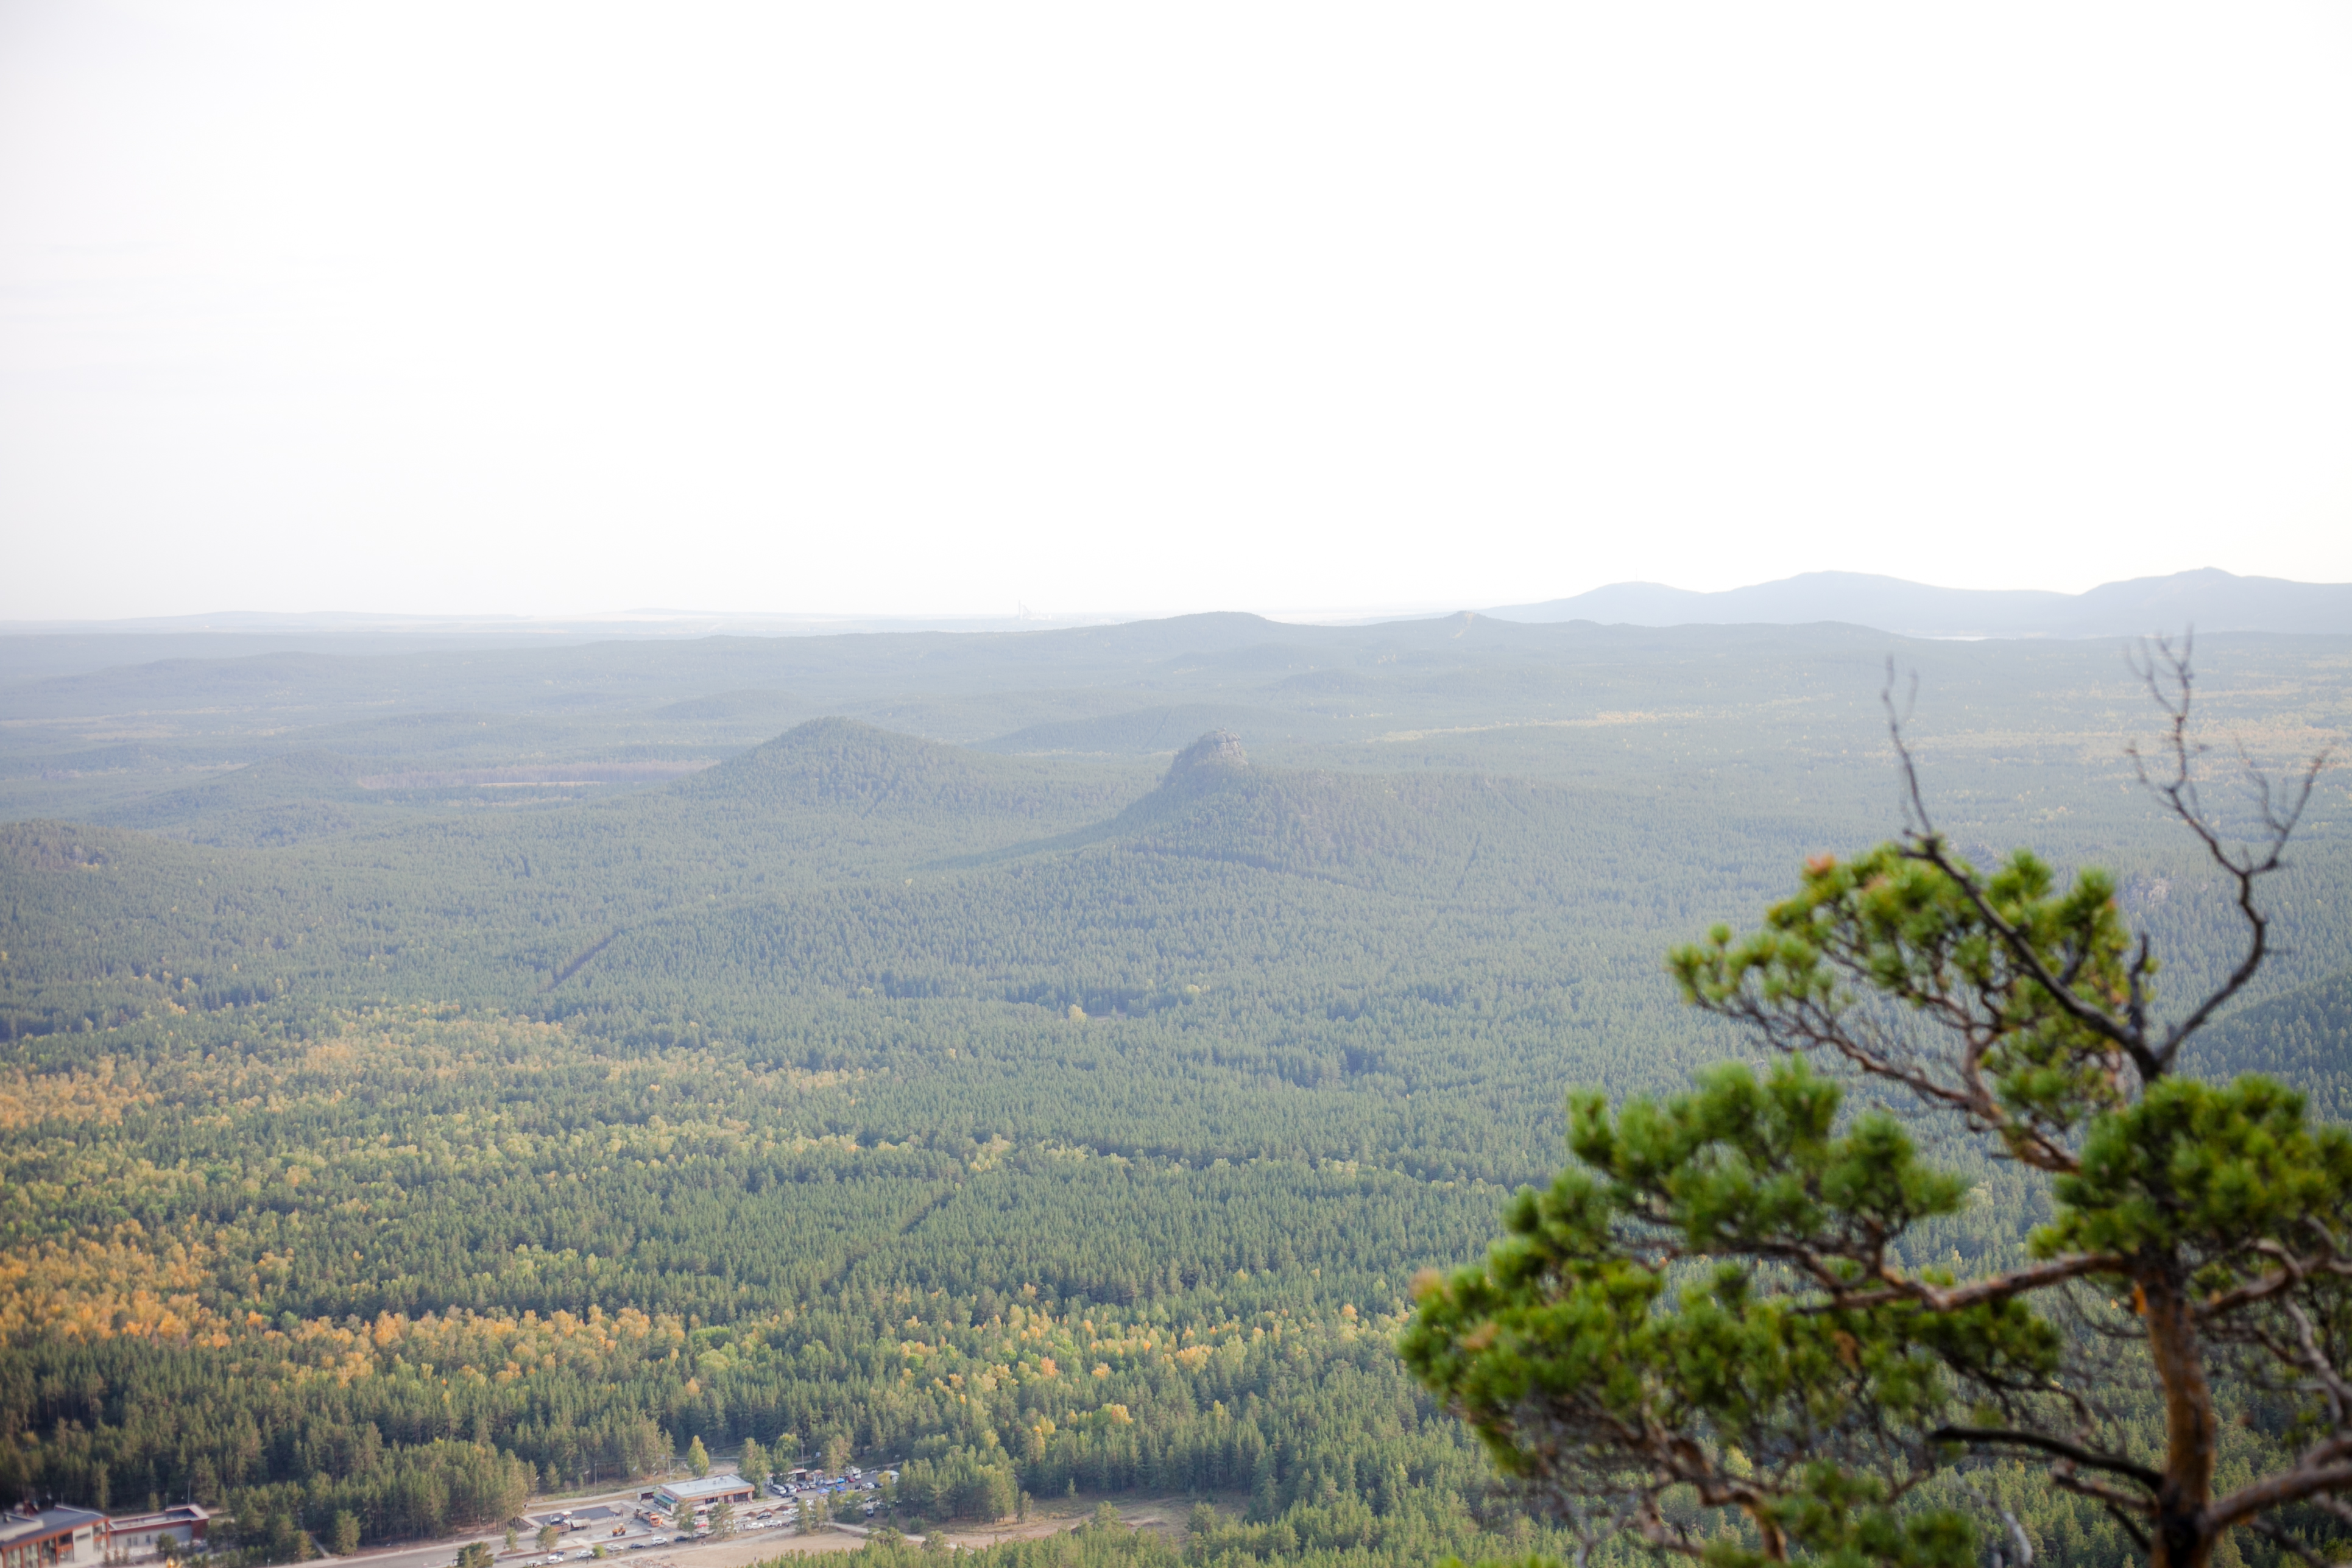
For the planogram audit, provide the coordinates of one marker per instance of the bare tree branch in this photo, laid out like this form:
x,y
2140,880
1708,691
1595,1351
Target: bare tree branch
x,y
2280,1538
2292,1272
1926,845
2327,1467
2138,1536
2160,661
2001,1436
1998,1286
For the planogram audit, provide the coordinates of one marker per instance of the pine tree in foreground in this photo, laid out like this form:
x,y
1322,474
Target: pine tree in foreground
x,y
1710,1306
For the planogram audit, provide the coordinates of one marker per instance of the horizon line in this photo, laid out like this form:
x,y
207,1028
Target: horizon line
x,y
1043,620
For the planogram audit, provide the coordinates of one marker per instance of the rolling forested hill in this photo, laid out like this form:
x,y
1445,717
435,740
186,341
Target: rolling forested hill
x,y
1043,1059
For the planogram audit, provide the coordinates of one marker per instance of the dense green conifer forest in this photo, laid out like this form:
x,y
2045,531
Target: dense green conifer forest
x,y
1043,1062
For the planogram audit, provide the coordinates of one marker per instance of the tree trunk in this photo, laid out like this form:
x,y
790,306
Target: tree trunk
x,y
2192,1429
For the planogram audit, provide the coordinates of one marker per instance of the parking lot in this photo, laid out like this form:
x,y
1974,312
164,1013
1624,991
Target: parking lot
x,y
613,1529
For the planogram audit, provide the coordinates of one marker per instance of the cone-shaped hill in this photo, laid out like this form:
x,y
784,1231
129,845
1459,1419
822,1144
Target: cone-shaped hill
x,y
1443,835
843,766
1207,762
1420,835
836,797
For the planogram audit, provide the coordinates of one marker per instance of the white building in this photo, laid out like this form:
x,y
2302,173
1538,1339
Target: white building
x,y
171,1531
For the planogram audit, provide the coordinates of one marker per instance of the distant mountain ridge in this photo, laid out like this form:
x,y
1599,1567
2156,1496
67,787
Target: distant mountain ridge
x,y
2210,600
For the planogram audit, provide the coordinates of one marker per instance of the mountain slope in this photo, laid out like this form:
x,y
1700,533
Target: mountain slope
x,y
844,765
2209,599
2303,1039
277,801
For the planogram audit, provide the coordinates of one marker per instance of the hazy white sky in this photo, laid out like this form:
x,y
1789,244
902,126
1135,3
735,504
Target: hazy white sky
x,y
929,308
